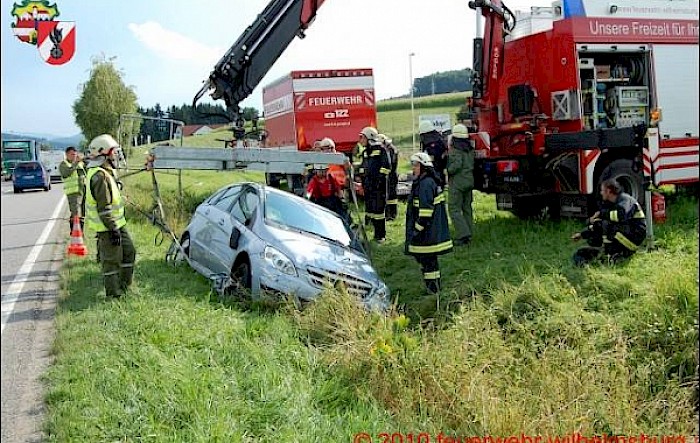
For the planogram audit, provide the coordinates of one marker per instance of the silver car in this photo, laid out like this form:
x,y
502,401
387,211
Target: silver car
x,y
265,239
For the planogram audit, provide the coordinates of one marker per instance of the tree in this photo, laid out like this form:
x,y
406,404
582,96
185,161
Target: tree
x,y
104,97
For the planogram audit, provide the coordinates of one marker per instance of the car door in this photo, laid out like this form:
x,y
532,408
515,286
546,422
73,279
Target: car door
x,y
233,229
212,217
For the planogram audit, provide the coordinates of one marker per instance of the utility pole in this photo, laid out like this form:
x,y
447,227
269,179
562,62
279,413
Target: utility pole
x,y
413,115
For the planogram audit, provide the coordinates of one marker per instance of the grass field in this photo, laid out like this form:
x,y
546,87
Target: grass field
x,y
520,341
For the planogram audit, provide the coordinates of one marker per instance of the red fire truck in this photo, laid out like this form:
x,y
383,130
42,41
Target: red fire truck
x,y
306,106
569,95
599,89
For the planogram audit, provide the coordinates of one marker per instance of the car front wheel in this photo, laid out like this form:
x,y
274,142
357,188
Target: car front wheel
x,y
240,280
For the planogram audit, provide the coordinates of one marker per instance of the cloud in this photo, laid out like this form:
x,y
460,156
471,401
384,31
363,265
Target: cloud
x,y
171,45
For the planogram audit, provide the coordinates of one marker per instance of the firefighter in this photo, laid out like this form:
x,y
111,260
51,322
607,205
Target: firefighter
x,y
392,199
105,215
619,227
431,142
323,189
377,168
427,228
460,168
72,171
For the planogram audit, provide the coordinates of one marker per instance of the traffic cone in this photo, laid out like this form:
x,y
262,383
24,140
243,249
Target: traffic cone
x,y
77,245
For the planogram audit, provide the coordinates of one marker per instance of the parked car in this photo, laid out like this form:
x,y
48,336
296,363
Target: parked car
x,y
270,240
31,175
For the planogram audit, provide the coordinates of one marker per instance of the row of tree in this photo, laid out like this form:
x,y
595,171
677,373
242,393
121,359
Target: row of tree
x,y
443,82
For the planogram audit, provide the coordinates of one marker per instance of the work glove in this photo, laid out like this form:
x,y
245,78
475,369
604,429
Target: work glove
x,y
115,238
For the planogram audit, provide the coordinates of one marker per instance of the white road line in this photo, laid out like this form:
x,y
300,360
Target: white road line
x,y
15,289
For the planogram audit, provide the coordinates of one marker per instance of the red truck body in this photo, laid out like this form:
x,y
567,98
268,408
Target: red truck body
x,y
568,101
306,106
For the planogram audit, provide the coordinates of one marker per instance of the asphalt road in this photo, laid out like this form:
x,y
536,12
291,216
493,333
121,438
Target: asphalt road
x,y
34,234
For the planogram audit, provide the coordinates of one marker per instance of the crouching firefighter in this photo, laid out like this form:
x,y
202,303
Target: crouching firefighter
x,y
105,215
427,230
617,230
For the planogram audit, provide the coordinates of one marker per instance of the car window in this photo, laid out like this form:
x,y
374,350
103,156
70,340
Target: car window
x,y
244,208
288,210
28,167
225,200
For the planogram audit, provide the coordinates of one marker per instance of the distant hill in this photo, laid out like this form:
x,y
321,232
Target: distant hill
x,y
54,141
64,142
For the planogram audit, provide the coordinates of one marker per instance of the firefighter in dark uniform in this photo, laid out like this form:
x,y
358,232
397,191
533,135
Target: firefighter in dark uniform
x,y
72,170
460,168
105,215
427,228
432,143
619,227
377,168
392,199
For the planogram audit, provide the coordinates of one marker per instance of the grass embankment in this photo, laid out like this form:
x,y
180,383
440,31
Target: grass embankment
x,y
522,342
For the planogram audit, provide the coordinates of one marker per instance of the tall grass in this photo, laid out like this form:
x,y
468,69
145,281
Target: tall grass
x,y
519,341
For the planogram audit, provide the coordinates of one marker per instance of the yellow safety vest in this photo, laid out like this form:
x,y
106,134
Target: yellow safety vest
x,y
116,205
71,184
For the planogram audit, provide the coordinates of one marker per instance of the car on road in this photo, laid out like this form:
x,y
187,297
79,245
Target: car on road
x,y
30,175
267,240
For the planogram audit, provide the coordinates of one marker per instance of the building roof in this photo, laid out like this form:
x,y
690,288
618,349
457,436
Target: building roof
x,y
188,130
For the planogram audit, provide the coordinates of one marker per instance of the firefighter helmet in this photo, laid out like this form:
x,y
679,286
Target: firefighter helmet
x,y
370,133
426,126
102,144
422,158
460,131
327,143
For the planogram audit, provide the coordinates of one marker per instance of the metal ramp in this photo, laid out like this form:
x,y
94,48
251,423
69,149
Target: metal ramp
x,y
270,160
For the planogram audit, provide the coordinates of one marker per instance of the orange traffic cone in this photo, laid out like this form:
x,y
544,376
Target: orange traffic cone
x,y
77,245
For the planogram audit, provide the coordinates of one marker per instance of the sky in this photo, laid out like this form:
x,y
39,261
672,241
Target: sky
x,y
166,49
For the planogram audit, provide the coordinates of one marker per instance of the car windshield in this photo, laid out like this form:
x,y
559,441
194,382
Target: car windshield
x,y
305,216
28,167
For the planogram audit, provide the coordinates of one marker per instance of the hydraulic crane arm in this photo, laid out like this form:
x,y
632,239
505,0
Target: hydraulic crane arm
x,y
243,66
488,51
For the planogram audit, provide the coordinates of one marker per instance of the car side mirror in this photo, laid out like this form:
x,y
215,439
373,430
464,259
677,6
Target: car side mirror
x,y
234,239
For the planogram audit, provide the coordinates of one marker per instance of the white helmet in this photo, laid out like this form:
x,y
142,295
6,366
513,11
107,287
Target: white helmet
x,y
327,143
422,158
460,131
426,126
101,145
370,133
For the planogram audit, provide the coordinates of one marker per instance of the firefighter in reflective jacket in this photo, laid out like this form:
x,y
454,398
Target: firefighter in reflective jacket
x,y
427,229
392,199
377,168
619,227
72,171
105,215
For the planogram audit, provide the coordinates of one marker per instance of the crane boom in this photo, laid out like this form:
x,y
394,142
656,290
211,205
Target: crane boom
x,y
244,65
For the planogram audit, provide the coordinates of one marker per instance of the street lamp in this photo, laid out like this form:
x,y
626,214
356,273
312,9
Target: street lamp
x,y
413,115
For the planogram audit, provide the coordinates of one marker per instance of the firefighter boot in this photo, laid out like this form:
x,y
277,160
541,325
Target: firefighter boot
x,y
433,285
126,276
113,287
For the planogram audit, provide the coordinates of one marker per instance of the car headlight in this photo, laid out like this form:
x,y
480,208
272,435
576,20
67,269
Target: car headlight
x,y
382,292
279,261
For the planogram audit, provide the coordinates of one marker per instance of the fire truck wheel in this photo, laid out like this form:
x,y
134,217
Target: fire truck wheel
x,y
632,182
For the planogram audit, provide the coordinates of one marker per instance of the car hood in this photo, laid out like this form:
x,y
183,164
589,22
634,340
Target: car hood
x,y
310,251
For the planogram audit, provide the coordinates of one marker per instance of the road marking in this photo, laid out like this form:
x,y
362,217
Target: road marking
x,y
10,297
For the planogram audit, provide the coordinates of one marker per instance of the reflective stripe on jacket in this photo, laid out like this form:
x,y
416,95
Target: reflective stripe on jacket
x,y
113,210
